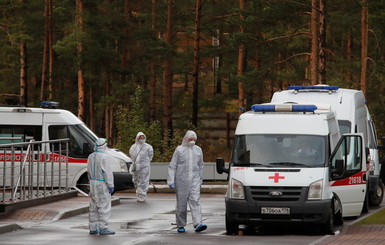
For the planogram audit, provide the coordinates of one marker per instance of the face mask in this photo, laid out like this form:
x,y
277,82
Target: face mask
x,y
142,141
191,143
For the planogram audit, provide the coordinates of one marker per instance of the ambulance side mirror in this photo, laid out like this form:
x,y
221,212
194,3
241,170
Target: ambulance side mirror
x,y
339,168
221,166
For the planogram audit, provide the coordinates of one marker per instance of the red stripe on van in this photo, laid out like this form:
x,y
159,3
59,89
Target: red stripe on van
x,y
356,179
56,158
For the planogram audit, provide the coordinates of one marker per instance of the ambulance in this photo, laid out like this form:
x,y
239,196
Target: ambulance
x,y
290,164
49,123
353,117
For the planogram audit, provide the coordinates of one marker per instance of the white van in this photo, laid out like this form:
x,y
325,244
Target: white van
x,y
43,124
353,117
289,164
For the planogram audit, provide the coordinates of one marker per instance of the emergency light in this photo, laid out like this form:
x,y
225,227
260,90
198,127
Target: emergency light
x,y
49,104
314,87
283,108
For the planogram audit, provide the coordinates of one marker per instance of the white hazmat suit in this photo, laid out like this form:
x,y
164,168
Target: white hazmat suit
x,y
141,154
101,187
185,175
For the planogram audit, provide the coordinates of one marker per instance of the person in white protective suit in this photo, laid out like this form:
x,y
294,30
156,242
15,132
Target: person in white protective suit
x,y
185,175
101,187
141,154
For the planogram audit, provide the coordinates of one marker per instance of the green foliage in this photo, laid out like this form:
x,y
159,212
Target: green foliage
x,y
130,121
377,218
120,45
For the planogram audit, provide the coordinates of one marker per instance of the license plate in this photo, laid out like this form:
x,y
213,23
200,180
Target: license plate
x,y
274,210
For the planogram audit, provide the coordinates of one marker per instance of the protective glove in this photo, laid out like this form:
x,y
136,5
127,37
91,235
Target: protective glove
x,y
111,190
172,185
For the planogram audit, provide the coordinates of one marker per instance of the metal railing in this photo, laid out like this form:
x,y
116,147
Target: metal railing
x,y
29,171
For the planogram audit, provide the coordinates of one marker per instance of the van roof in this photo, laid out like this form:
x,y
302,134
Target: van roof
x,y
343,101
29,115
284,123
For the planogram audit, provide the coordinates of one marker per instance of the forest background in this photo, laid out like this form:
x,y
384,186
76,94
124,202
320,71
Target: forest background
x,y
157,65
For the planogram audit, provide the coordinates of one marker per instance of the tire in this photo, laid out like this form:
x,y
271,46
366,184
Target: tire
x,y
231,227
84,183
375,197
328,226
338,219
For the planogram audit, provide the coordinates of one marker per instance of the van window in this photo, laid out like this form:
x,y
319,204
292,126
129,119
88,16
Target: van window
x,y
350,152
344,126
79,146
280,150
372,135
20,133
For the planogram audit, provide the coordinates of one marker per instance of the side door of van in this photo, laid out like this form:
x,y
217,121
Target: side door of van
x,y
348,173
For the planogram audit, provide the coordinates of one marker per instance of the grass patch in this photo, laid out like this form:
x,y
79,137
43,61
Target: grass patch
x,y
377,218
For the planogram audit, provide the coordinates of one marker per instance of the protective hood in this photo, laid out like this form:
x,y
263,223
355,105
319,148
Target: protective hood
x,y
137,137
101,144
188,135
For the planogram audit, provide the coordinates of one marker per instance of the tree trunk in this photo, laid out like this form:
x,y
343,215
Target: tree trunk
x,y
364,46
50,51
217,64
91,108
153,68
81,92
45,52
167,77
108,115
196,62
124,44
23,97
314,60
349,49
322,41
241,60
23,74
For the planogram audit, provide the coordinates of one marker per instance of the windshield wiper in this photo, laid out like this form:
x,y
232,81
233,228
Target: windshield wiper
x,y
248,164
289,164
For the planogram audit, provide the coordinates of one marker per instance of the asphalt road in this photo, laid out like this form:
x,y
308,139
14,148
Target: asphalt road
x,y
152,223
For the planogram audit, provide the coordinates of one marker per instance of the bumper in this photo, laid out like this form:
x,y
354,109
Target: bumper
x,y
123,181
249,212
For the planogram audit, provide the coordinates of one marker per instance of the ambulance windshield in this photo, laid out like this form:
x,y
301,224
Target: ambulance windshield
x,y
271,150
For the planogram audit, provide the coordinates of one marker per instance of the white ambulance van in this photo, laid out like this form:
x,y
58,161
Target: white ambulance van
x,y
289,164
42,124
353,117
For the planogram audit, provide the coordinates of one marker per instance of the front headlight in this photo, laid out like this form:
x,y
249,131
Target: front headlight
x,y
123,165
315,190
237,191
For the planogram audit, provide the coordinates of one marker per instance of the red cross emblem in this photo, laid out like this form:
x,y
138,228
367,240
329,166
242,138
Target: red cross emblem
x,y
276,177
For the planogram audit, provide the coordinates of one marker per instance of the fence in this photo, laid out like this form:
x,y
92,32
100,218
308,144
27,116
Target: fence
x,y
159,171
29,171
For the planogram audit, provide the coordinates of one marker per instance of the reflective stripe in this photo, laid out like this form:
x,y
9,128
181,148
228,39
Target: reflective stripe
x,y
94,167
190,163
98,179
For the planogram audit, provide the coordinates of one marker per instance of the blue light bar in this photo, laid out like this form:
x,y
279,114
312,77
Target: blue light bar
x,y
304,108
313,87
283,108
49,104
263,108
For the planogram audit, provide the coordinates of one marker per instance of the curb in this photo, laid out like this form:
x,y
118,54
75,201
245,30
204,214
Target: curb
x,y
61,215
164,188
9,228
76,211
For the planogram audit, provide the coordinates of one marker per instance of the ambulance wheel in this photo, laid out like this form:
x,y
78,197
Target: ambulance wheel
x,y
231,227
84,183
375,197
328,226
